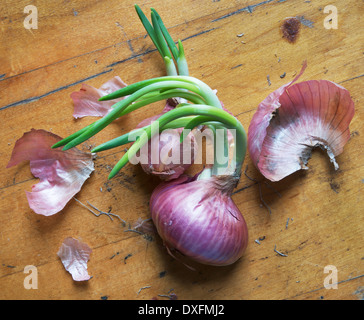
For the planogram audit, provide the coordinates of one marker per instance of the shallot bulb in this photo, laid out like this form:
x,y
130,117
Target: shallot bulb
x,y
199,219
293,120
167,142
197,216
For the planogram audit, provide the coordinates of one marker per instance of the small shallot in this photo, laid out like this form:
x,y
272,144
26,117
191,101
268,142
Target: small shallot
x,y
164,144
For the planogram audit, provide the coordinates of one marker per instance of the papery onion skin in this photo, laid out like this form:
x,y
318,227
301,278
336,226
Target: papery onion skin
x,y
61,173
86,101
74,255
199,219
293,120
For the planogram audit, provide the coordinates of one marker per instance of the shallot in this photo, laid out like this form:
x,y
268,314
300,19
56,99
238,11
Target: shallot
x,y
194,216
87,102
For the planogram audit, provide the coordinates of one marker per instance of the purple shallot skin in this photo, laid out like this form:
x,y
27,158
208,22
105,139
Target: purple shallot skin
x,y
296,118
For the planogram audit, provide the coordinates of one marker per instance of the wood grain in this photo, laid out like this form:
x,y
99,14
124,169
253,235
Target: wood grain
x,y
316,220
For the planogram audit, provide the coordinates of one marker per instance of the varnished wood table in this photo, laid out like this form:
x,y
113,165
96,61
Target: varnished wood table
x,y
316,222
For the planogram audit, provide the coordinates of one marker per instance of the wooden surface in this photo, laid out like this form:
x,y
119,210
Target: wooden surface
x,y
316,221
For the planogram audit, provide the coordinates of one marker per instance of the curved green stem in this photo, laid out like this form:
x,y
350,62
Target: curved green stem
x,y
205,91
214,114
192,97
124,139
118,109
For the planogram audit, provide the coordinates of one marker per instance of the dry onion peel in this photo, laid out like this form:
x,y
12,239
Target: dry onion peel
x,y
61,174
296,118
86,102
74,256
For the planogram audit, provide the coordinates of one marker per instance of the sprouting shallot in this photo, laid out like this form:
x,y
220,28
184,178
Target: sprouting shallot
x,y
188,210
167,142
199,219
87,102
204,202
196,216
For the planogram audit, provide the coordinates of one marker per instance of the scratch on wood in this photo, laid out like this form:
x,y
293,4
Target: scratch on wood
x,y
128,41
305,22
280,253
127,257
139,55
362,75
268,80
249,9
287,222
321,288
14,104
237,66
131,58
142,288
359,292
198,34
57,62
